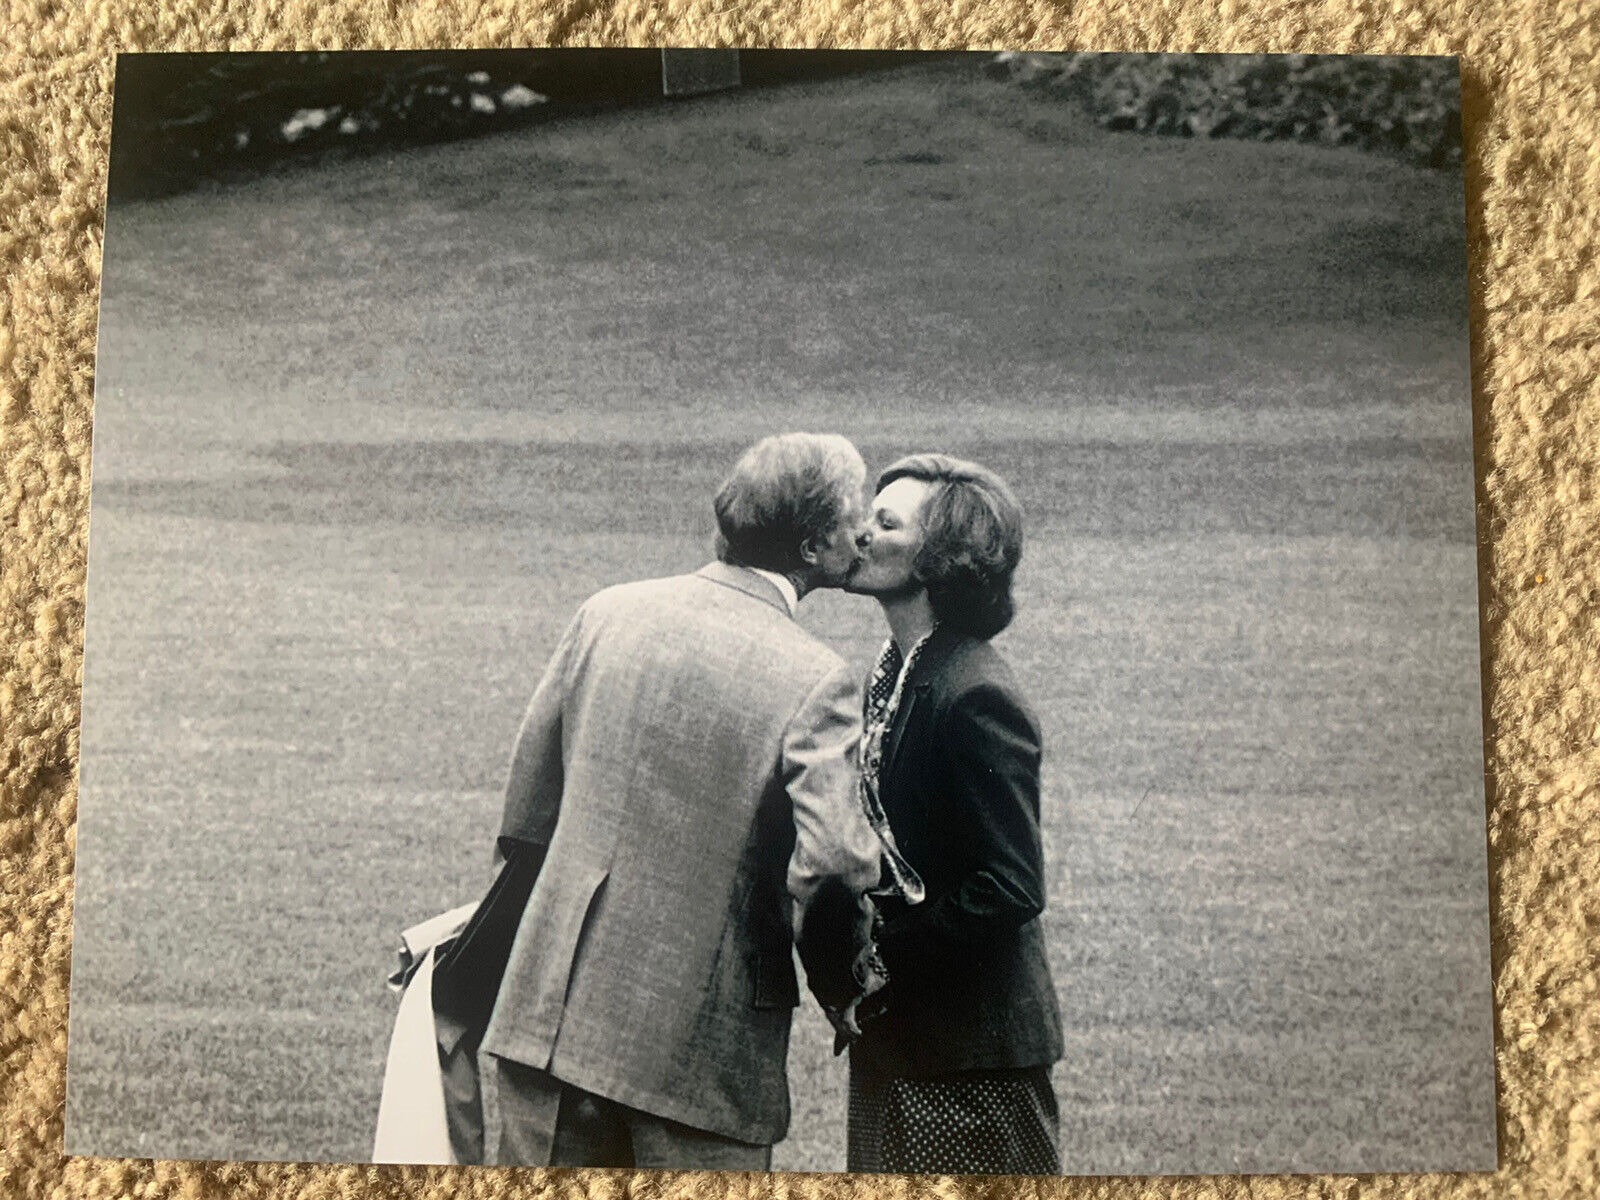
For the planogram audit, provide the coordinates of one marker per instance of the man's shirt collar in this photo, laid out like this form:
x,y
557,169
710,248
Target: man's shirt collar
x,y
785,586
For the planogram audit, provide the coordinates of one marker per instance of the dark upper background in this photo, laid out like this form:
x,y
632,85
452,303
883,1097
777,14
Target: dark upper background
x,y
182,118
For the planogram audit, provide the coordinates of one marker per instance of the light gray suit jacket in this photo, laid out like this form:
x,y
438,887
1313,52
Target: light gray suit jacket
x,y
689,759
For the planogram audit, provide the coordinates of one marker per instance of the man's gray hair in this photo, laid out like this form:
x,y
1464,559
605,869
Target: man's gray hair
x,y
784,491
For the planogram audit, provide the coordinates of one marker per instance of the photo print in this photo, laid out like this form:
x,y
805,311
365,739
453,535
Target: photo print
x,y
789,610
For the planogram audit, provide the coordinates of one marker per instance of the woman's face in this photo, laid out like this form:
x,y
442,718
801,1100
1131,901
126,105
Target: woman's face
x,y
890,540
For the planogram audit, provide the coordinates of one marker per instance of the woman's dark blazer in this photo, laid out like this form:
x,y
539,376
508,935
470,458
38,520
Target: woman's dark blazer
x,y
970,986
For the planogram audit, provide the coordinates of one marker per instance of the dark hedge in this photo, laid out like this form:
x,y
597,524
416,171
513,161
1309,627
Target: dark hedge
x,y
183,117
1406,106
180,118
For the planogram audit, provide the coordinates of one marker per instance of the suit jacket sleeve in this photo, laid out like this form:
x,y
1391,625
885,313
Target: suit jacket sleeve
x,y
533,789
832,837
990,753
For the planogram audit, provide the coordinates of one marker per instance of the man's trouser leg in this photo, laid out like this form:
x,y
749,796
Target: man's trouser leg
x,y
545,1122
659,1144
463,1100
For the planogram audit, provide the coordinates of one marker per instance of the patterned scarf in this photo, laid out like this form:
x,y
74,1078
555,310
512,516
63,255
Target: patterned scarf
x,y
885,687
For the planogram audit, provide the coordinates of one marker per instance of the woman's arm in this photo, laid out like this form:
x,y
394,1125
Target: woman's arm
x,y
989,752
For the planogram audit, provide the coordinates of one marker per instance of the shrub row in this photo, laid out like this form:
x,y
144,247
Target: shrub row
x,y
1406,106
183,117
180,118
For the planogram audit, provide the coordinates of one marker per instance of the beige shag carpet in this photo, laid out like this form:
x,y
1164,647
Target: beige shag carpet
x,y
1532,74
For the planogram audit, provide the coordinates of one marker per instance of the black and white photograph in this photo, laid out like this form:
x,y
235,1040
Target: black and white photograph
x,y
806,611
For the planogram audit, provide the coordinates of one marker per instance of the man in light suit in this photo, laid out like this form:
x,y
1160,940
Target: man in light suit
x,y
683,785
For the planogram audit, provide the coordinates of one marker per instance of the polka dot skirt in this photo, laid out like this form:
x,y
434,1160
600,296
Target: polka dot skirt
x,y
1001,1122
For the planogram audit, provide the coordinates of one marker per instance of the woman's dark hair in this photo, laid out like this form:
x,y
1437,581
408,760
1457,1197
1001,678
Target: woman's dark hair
x,y
972,541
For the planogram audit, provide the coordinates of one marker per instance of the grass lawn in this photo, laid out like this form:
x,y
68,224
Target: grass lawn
x,y
368,432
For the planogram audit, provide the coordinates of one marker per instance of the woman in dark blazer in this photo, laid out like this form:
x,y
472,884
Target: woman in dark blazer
x,y
953,1073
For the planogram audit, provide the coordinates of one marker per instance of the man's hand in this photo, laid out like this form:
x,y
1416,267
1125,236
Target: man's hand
x,y
872,985
853,1018
845,1028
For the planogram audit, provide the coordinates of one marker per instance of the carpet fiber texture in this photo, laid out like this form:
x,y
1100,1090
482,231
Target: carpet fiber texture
x,y
1532,78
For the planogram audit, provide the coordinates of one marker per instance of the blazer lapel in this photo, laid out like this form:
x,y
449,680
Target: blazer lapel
x,y
923,676
896,736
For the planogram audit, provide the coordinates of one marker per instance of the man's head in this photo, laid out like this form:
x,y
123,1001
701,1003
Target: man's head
x,y
792,505
947,526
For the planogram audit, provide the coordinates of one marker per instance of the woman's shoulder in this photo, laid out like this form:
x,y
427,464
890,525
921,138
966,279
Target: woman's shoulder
x,y
973,668
977,694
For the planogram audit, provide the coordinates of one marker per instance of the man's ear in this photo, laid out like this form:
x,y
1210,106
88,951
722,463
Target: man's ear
x,y
809,553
